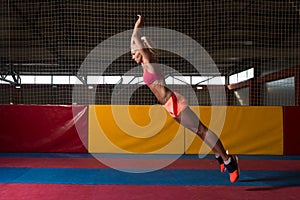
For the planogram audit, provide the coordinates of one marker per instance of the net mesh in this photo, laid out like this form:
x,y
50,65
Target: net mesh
x,y
53,38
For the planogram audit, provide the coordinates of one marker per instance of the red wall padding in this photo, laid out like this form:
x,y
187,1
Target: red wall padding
x,y
43,128
291,122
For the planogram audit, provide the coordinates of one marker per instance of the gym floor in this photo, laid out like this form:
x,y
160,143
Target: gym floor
x,y
82,176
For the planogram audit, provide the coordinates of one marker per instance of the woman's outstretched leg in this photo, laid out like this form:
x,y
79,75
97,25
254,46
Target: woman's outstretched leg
x,y
190,120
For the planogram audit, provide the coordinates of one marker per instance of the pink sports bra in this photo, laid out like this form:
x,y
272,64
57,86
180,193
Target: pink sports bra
x,y
149,78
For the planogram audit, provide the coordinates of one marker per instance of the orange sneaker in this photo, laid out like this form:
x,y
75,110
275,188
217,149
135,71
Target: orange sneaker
x,y
233,169
221,163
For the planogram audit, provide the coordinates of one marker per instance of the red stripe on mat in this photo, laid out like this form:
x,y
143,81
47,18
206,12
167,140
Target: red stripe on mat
x,y
142,163
126,192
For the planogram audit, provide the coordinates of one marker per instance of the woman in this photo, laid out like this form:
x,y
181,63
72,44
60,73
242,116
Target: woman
x,y
143,53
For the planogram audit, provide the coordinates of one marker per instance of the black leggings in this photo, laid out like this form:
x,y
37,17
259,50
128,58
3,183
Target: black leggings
x,y
190,120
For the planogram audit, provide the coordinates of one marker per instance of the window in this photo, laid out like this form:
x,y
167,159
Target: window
x,y
43,79
241,76
99,80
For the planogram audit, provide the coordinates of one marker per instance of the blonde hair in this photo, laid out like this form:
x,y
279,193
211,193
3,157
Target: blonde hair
x,y
149,45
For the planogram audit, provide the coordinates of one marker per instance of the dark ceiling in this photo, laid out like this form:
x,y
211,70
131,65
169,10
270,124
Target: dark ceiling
x,y
54,37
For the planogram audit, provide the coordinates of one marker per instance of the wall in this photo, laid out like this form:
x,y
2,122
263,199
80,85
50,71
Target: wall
x,y
145,129
291,130
47,128
244,130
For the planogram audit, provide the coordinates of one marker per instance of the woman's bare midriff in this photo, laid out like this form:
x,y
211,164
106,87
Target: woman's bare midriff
x,y
161,92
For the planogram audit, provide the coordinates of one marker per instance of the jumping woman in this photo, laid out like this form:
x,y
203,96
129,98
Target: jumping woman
x,y
143,53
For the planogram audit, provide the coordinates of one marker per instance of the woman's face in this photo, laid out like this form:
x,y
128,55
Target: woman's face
x,y
136,56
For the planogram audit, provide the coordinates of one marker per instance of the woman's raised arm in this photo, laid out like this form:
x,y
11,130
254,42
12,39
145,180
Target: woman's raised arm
x,y
136,42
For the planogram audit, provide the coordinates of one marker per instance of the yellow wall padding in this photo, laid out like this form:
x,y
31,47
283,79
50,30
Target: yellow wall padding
x,y
149,129
246,130
133,129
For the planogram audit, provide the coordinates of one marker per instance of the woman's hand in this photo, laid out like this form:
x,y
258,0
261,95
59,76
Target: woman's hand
x,y
136,33
139,22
